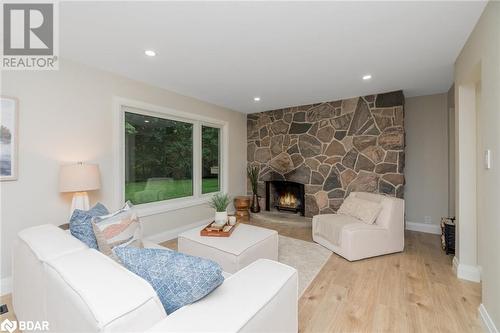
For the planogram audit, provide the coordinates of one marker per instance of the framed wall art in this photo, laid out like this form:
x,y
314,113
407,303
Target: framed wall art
x,y
8,138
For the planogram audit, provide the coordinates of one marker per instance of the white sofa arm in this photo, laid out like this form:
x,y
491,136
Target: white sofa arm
x,y
262,297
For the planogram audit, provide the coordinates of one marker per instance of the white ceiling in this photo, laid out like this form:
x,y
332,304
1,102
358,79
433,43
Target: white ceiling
x,y
288,53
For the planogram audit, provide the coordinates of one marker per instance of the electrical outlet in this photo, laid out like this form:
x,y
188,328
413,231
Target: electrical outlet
x,y
487,159
427,220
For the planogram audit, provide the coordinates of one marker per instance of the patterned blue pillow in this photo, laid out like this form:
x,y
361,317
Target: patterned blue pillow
x,y
80,224
177,278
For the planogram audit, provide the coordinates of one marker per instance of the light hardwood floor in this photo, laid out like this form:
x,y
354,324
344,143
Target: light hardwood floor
x,y
7,299
412,291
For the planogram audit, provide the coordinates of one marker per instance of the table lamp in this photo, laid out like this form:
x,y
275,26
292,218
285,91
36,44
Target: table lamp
x,y
79,178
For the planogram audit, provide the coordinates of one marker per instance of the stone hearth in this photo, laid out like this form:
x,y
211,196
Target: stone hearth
x,y
332,148
291,220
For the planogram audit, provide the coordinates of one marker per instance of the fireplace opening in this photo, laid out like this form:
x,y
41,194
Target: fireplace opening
x,y
285,196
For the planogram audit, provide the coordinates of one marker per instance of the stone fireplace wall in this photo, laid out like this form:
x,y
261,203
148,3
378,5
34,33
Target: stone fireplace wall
x,y
333,148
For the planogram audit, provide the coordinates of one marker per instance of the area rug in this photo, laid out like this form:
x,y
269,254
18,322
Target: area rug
x,y
306,257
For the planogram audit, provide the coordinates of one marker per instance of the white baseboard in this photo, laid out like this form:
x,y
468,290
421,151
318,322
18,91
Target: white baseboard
x,y
171,234
467,272
6,286
455,264
424,227
486,321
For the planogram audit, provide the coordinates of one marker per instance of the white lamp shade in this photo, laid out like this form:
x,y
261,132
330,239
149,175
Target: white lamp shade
x,y
79,178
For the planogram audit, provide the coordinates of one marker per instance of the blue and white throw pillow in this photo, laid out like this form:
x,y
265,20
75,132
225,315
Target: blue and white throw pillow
x,y
178,279
80,224
121,228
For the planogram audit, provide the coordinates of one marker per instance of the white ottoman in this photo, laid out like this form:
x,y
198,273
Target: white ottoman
x,y
245,245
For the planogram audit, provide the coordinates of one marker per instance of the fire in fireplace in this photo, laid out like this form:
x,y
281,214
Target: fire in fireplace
x,y
287,200
285,196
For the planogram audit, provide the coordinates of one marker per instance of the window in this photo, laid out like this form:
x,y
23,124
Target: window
x,y
210,138
166,156
159,159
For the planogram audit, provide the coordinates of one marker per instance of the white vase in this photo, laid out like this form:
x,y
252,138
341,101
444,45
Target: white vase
x,y
220,217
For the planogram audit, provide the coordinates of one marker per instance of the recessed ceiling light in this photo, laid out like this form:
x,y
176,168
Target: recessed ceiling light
x,y
146,121
367,77
256,99
150,53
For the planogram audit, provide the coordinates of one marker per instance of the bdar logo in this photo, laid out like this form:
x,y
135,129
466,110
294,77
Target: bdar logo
x,y
24,325
9,326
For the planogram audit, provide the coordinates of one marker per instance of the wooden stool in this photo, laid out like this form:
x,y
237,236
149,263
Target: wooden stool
x,y
242,204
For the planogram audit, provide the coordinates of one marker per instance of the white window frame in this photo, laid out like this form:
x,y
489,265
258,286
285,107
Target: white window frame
x,y
119,105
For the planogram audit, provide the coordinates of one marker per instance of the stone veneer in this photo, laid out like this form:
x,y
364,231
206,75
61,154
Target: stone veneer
x,y
333,148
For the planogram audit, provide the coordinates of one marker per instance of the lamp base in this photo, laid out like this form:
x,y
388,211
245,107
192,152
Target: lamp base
x,y
80,201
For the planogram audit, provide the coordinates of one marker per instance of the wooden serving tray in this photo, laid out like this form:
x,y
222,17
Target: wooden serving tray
x,y
215,233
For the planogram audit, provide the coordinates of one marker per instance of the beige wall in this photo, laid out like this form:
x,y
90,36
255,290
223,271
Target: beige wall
x,y
67,116
426,170
451,151
478,65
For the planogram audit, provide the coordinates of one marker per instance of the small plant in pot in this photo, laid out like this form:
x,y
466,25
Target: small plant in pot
x,y
219,202
253,176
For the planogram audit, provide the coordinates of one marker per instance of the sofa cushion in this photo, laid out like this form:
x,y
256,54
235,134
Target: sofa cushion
x,y
177,278
87,279
47,241
364,210
330,226
121,228
80,224
261,297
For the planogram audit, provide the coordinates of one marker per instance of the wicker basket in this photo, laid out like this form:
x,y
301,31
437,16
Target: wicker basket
x,y
448,234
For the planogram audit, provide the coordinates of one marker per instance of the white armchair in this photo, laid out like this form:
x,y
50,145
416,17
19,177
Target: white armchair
x,y
356,240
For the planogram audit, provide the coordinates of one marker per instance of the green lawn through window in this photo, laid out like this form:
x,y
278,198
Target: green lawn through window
x,y
164,189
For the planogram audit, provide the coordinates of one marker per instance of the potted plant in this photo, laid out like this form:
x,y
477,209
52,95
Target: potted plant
x,y
219,202
253,176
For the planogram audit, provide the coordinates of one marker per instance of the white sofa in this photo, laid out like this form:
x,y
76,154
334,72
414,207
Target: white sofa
x,y
358,240
57,278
